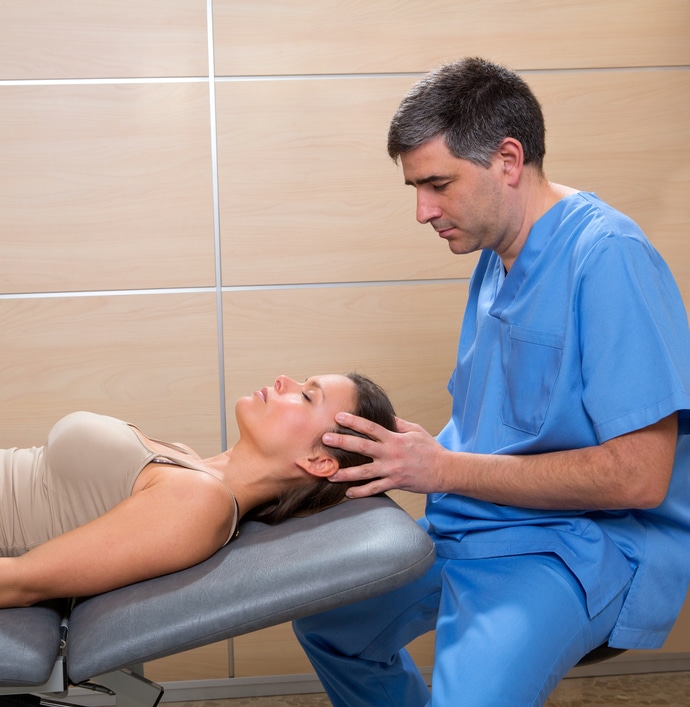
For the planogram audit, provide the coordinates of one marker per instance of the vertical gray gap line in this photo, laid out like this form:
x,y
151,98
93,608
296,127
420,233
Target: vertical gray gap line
x,y
219,273
216,222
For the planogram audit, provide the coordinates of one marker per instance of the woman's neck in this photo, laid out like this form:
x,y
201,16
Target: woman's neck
x,y
254,480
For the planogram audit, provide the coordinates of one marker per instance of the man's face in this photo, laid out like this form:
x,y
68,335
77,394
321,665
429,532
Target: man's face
x,y
463,202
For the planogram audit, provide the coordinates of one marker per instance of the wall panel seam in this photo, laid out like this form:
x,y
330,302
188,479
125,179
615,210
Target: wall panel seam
x,y
243,78
313,77
231,288
101,81
216,225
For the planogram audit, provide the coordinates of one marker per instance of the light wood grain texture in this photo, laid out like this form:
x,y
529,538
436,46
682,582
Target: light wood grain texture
x,y
275,650
626,136
109,186
205,663
308,192
403,336
678,640
149,359
329,36
44,39
105,187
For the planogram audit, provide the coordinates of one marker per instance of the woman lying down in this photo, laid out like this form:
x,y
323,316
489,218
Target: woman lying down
x,y
101,505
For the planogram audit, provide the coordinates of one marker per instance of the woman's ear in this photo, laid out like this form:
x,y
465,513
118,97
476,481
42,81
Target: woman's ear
x,y
319,464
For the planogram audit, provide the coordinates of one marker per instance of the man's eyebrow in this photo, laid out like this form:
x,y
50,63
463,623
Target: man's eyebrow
x,y
426,180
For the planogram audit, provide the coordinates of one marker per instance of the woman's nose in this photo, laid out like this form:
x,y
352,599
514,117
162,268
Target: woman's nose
x,y
284,384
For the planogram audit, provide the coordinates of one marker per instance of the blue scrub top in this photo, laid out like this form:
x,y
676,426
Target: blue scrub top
x,y
585,339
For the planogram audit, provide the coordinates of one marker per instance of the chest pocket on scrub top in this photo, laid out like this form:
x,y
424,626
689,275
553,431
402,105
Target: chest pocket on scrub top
x,y
534,360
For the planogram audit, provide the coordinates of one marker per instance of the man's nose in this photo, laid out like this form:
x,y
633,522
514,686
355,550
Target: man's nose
x,y
426,208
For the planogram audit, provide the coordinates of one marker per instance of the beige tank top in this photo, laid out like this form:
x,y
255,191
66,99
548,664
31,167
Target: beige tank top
x,y
87,466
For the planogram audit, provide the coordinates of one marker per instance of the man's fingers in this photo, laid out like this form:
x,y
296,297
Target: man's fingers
x,y
360,424
350,443
372,489
354,473
405,426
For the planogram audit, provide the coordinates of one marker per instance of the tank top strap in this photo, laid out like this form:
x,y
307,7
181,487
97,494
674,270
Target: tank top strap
x,y
234,530
187,460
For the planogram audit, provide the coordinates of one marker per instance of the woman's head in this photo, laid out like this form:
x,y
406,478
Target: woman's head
x,y
476,105
281,421
370,401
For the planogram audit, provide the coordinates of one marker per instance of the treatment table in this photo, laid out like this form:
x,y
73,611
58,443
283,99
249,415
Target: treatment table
x,y
267,576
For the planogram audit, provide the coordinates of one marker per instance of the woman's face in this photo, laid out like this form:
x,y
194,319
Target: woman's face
x,y
288,418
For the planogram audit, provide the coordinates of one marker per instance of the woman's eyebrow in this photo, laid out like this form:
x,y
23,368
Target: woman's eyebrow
x,y
313,383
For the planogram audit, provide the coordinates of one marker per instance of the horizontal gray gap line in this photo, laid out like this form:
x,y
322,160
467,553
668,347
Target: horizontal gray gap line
x,y
604,69
230,288
412,74
315,77
97,81
105,293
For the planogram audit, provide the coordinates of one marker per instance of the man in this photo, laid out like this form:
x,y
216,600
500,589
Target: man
x,y
558,492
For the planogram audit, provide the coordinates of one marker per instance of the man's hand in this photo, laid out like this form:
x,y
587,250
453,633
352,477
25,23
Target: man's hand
x,y
630,471
406,459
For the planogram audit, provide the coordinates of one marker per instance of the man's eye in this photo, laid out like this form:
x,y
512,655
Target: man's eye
x,y
440,187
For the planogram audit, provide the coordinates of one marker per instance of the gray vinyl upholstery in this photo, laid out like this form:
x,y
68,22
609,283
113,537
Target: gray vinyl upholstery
x,y
29,645
269,575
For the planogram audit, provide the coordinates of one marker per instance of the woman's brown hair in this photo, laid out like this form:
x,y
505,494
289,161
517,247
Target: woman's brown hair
x,y
372,403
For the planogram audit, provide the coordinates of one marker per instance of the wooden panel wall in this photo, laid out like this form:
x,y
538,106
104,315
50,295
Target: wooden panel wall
x,y
195,197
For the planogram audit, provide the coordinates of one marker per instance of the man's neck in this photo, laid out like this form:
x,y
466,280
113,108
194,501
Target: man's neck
x,y
540,196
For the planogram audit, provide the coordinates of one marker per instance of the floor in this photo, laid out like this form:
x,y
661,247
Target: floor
x,y
654,689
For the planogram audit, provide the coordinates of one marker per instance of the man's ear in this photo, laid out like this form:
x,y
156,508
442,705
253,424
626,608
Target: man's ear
x,y
511,158
319,464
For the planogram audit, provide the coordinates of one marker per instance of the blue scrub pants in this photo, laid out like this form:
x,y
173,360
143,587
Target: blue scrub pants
x,y
507,630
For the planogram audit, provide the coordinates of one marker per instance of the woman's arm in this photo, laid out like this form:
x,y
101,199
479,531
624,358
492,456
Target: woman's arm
x,y
178,519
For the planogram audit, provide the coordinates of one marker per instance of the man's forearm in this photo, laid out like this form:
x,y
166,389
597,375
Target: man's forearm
x,y
631,471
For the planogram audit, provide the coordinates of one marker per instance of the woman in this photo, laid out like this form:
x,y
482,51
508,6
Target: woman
x,y
101,505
